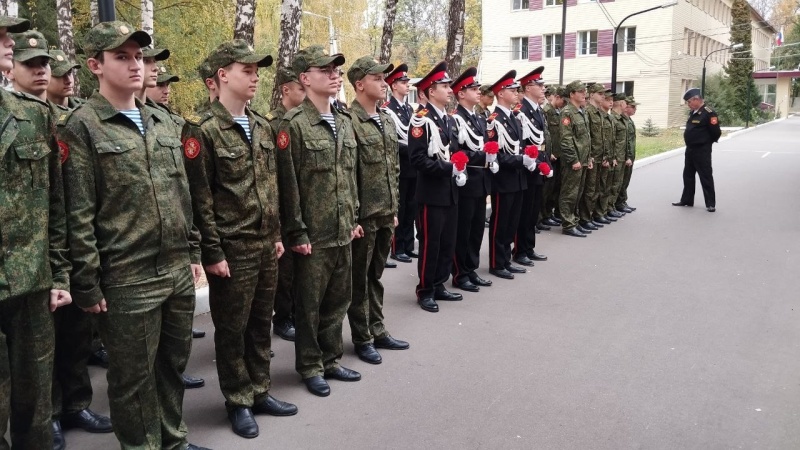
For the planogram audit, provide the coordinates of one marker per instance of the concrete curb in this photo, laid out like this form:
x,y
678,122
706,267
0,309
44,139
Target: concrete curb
x,y
679,151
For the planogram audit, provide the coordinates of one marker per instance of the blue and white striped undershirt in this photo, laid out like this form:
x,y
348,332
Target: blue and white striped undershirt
x,y
136,116
244,122
331,121
377,119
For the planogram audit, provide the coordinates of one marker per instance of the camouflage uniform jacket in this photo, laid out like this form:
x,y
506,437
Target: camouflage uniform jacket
x,y
233,182
596,120
608,137
316,172
274,117
33,243
620,137
630,152
378,168
574,135
127,198
176,119
553,117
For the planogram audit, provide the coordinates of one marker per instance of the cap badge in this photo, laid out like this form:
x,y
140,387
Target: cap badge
x,y
124,30
33,42
59,58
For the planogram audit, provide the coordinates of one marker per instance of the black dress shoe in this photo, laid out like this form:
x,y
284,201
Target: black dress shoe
x,y
478,281
317,386
615,214
343,374
58,437
680,204
620,210
271,354
411,254
99,358
402,257
550,222
428,304
197,334
274,407
196,447
711,209
596,224
515,269
556,219
627,210
466,285
87,420
588,226
542,226
285,329
445,295
610,218
537,256
368,354
391,343
190,382
601,220
243,423
582,229
502,273
630,207
390,264
537,231
573,232
523,260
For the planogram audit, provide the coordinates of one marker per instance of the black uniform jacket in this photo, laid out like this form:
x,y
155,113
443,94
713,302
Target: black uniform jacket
x,y
702,129
511,176
537,117
436,185
479,181
403,112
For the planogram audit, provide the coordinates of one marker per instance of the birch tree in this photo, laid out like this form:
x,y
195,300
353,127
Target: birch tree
x,y
455,37
147,17
9,8
66,39
94,12
388,31
244,25
291,10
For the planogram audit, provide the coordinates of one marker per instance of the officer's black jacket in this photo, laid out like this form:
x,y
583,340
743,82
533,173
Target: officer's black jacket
x,y
511,176
479,183
403,112
702,129
436,185
537,117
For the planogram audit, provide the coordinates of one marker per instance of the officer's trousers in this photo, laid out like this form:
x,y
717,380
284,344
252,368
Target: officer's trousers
x,y
525,238
437,228
369,259
698,160
503,223
403,241
469,237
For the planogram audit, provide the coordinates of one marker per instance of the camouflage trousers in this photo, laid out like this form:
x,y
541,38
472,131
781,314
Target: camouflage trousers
x,y
589,197
72,388
604,183
241,309
369,259
284,304
26,371
322,291
147,332
622,198
572,182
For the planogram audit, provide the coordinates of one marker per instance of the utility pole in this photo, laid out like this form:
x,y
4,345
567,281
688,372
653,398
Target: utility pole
x,y
563,34
106,10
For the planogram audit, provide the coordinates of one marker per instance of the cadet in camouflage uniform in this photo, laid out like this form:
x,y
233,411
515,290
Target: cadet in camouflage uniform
x,y
34,272
552,186
575,147
319,199
30,74
484,107
378,170
292,95
161,92
606,174
620,149
128,216
61,90
630,157
596,115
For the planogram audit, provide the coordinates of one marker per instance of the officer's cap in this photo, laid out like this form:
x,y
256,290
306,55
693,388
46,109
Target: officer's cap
x,y
110,35
620,96
400,73
366,65
505,82
28,45
236,51
465,81
535,76
315,56
437,75
575,86
284,76
598,87
693,92
166,77
159,54
14,24
61,64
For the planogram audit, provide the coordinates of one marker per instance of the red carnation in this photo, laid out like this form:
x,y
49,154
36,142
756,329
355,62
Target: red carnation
x,y
544,168
491,148
532,151
460,160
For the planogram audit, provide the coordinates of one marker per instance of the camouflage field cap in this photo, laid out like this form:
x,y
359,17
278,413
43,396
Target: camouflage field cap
x,y
166,77
632,101
284,76
598,87
366,65
575,86
204,70
110,35
14,24
28,45
486,89
561,91
315,56
159,54
61,64
620,96
235,51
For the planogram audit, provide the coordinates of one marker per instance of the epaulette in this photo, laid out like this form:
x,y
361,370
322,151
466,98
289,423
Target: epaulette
x,y
64,116
270,116
292,112
491,117
709,109
197,119
517,107
422,113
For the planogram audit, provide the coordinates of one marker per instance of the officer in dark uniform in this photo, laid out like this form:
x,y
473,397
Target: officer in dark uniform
x,y
509,182
400,112
534,130
429,147
467,129
702,130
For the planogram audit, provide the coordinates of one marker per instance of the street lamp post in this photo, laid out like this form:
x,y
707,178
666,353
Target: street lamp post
x,y
614,46
105,10
703,81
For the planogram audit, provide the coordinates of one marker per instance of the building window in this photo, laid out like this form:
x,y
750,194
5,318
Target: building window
x,y
626,87
587,42
553,2
519,4
552,46
626,39
519,48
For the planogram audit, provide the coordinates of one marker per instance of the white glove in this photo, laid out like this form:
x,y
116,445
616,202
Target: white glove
x,y
493,167
461,179
456,172
529,163
491,157
550,175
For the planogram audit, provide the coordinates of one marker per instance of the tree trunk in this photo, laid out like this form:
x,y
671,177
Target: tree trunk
x,y
66,39
147,17
94,12
9,8
388,31
291,10
455,38
245,25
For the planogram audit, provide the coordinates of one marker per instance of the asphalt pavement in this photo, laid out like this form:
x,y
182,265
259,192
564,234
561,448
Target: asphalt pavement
x,y
674,328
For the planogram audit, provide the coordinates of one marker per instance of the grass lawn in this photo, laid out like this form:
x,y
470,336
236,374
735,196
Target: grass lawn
x,y
667,139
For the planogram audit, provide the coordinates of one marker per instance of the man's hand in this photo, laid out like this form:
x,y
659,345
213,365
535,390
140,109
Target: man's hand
x,y
219,269
304,249
98,308
396,222
606,164
59,298
553,157
279,250
197,272
628,162
591,164
357,233
576,166
614,163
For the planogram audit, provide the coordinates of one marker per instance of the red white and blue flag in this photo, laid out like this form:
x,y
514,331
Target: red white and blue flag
x,y
779,38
